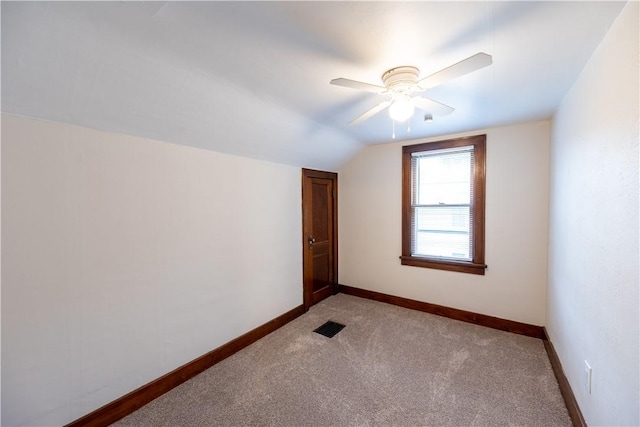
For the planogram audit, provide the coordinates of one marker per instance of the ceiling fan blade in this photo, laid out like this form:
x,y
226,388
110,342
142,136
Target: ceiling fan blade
x,y
431,106
354,84
466,66
370,113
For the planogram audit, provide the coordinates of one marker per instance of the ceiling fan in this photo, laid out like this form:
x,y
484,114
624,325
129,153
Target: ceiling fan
x,y
400,83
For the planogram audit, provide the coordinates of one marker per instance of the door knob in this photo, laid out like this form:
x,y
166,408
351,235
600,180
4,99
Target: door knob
x,y
311,241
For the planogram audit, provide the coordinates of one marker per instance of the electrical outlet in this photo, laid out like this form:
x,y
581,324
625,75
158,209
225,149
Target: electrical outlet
x,y
587,376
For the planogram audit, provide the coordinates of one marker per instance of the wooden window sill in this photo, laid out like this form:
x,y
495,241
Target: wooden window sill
x,y
442,264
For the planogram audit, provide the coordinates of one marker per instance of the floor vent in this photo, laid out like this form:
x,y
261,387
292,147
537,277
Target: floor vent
x,y
329,329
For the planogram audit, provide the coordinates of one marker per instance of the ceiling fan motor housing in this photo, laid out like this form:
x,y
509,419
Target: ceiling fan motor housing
x,y
399,80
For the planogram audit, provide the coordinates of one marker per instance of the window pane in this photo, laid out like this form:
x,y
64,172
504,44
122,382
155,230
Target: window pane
x,y
443,179
442,232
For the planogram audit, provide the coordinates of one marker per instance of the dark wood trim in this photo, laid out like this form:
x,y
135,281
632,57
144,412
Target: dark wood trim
x,y
567,394
307,220
477,265
130,402
452,313
450,265
479,191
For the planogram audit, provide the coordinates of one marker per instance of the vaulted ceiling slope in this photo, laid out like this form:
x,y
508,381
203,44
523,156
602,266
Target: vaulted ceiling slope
x,y
252,78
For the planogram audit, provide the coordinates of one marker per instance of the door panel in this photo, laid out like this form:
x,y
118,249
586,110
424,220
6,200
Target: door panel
x,y
319,213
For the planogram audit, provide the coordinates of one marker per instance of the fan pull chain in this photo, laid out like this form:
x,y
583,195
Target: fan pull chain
x,y
393,135
408,126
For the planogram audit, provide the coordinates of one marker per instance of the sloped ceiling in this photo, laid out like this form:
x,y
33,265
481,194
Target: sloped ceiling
x,y
252,78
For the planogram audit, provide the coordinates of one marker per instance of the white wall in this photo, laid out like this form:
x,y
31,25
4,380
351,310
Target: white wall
x,y
124,258
593,277
514,286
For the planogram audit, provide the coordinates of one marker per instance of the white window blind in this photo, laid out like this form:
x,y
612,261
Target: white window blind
x,y
442,203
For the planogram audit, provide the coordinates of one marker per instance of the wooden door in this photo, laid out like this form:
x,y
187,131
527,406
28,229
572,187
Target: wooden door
x,y
319,235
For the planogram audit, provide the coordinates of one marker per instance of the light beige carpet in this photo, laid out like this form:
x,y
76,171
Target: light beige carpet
x,y
388,366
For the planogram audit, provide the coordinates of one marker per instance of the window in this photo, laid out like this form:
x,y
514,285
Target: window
x,y
443,191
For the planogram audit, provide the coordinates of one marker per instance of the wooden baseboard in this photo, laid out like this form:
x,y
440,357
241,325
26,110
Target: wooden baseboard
x,y
129,403
567,394
452,313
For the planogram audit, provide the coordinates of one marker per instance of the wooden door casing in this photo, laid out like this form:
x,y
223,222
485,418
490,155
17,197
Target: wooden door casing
x,y
319,235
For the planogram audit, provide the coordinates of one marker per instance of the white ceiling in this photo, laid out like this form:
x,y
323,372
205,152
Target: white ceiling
x,y
252,78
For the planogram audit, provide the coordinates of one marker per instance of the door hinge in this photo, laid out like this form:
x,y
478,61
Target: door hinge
x,y
332,195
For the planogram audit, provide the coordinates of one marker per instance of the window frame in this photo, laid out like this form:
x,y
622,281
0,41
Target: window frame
x,y
477,264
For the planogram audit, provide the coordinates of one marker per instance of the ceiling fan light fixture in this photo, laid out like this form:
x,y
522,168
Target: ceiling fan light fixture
x,y
401,83
401,109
